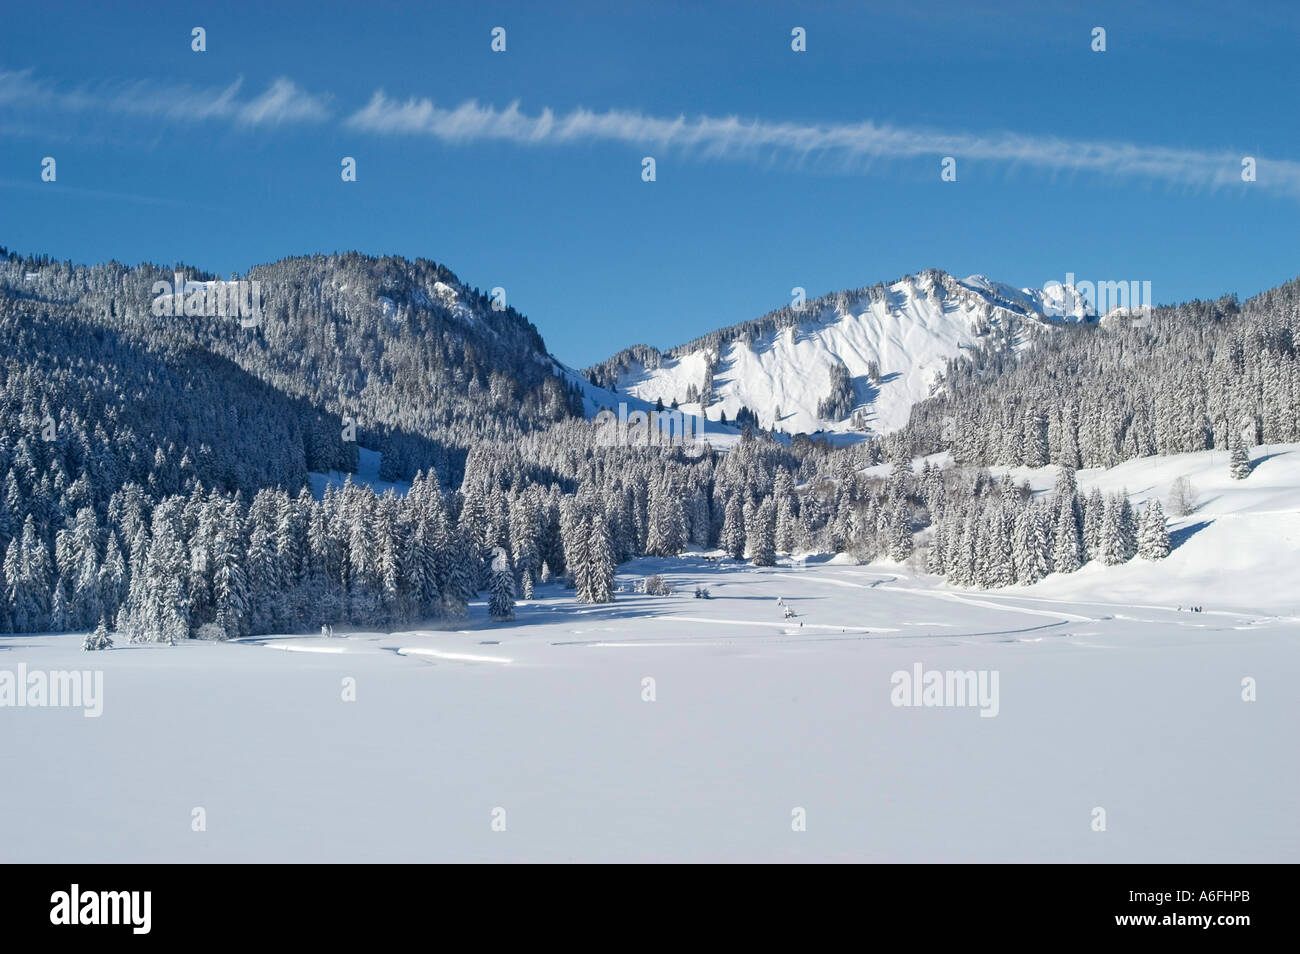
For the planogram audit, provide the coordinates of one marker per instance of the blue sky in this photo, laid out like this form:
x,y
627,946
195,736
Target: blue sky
x,y
1122,165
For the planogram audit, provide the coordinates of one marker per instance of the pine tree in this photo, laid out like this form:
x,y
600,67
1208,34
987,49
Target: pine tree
x,y
133,616
600,564
60,612
196,533
84,591
1111,547
1094,510
675,525
1239,463
229,588
112,579
997,547
501,600
701,521
25,594
784,497
934,554
1031,548
12,577
1128,526
573,536
1065,553
962,569
749,520
420,559
260,578
656,543
1066,486
762,535
167,615
733,528
99,639
898,533
1153,539
579,560
524,534
1034,443
666,533
388,546
460,588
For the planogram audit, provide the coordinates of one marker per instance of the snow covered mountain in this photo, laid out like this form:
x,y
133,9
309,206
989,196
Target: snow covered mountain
x,y
853,362
422,365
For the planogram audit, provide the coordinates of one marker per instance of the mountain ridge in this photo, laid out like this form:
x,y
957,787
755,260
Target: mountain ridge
x,y
847,362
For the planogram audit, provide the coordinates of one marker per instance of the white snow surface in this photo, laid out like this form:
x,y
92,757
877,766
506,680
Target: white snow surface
x,y
1133,708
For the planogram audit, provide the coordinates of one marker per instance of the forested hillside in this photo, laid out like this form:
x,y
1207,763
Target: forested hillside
x,y
1186,378
423,365
155,469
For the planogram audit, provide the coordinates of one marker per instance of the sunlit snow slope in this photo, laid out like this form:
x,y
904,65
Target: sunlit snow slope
x,y
910,329
1236,549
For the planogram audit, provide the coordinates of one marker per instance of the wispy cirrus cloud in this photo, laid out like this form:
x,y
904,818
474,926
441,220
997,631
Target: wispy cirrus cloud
x,y
850,144
281,102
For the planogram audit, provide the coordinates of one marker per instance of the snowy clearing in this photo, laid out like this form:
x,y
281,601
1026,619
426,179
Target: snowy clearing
x,y
1134,709
367,475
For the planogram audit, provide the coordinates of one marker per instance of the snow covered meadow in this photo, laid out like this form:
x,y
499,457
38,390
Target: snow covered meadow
x,y
664,728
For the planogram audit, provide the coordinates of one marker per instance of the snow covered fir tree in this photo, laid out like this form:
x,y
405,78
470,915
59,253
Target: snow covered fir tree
x,y
163,476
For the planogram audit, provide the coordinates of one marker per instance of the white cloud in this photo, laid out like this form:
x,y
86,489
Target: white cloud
x,y
850,146
282,101
18,89
853,144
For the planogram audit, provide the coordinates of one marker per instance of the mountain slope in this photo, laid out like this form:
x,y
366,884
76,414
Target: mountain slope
x,y
596,399
1234,549
421,363
856,361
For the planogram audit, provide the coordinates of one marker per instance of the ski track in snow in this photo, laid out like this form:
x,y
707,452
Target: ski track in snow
x,y
957,596
743,622
986,603
451,656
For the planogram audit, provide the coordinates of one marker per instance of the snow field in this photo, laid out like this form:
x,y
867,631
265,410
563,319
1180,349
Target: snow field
x,y
1137,710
